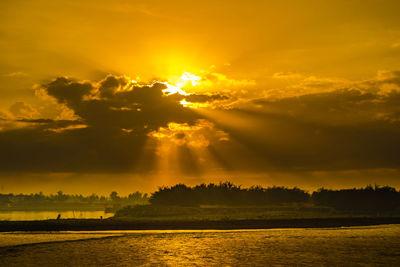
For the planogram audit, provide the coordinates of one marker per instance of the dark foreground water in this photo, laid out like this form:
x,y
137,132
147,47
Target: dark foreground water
x,y
353,246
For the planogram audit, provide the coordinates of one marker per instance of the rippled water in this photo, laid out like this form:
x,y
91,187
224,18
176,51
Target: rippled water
x,y
353,246
45,215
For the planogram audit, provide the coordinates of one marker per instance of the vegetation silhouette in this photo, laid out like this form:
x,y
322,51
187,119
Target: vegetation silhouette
x,y
370,198
66,201
377,198
226,193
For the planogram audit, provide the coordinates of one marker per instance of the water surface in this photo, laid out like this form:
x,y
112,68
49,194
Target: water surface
x,y
351,246
45,215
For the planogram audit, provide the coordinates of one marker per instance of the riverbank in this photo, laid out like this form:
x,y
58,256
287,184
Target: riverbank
x,y
115,224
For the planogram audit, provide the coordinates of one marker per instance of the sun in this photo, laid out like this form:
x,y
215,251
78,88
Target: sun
x,y
173,89
189,77
176,85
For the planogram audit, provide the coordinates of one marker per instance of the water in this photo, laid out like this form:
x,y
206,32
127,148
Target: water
x,y
352,246
45,215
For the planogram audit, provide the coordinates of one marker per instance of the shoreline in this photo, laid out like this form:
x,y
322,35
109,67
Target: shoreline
x,y
118,224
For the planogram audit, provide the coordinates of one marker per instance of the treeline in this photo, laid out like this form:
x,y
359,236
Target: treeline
x,y
362,199
370,198
226,194
60,199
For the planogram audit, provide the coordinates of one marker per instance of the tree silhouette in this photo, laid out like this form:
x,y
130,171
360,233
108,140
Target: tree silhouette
x,y
226,193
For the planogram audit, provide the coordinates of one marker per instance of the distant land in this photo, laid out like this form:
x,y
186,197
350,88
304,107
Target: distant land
x,y
216,206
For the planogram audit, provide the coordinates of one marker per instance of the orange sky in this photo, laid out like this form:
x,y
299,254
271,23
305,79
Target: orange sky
x,y
286,93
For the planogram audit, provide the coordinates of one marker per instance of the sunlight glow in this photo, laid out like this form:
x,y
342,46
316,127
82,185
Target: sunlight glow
x,y
193,105
180,141
189,77
172,89
182,81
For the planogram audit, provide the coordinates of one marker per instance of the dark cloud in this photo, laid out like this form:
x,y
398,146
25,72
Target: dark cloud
x,y
50,123
340,130
109,85
114,119
79,150
202,98
348,129
68,92
121,104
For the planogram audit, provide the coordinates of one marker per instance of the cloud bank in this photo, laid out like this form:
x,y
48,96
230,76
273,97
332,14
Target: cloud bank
x,y
118,124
